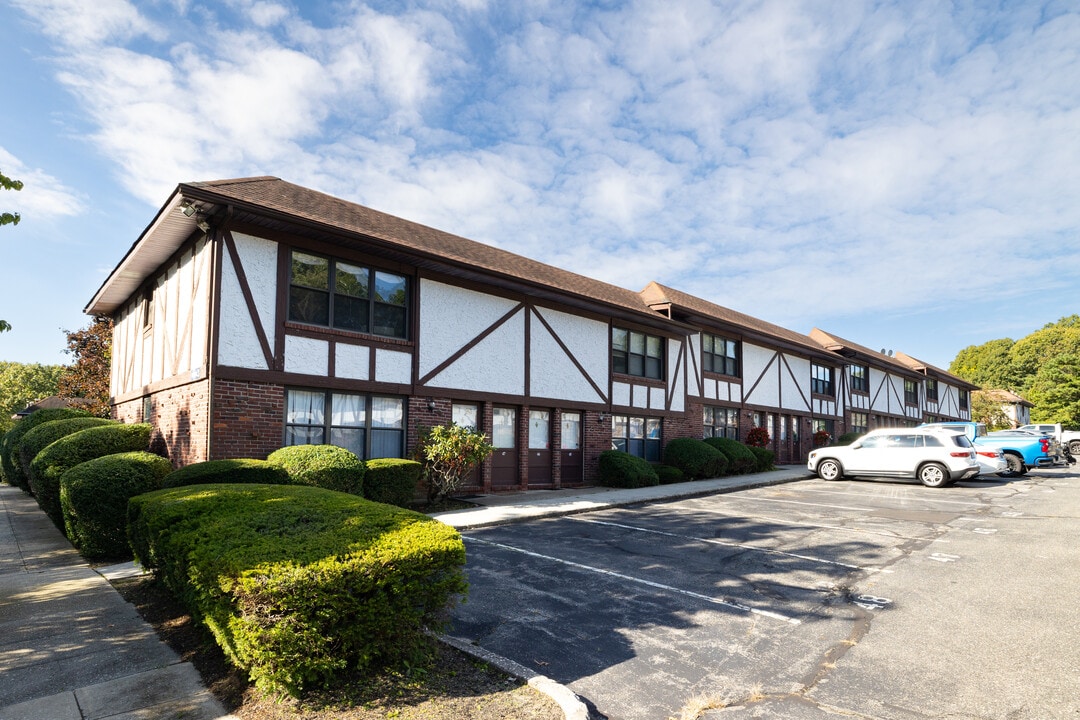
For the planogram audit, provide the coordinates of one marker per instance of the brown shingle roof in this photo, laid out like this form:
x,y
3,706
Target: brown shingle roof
x,y
299,203
702,310
928,369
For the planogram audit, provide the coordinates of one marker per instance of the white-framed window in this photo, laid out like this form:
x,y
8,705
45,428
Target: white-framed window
x,y
639,436
372,426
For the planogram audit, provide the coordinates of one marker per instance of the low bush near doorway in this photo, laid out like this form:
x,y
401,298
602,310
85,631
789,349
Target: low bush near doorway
x,y
297,583
669,475
622,470
696,458
741,459
392,480
766,459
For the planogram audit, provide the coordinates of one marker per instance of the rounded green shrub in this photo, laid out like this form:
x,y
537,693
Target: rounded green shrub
x,y
45,434
94,497
669,475
622,470
766,459
69,451
325,466
13,473
393,481
848,438
740,459
300,585
240,471
695,458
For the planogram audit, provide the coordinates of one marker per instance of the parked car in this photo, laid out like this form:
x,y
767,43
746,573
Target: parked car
x,y
935,457
991,460
1023,450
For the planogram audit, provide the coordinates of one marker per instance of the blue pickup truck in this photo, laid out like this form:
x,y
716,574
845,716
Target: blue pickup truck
x,y
1023,451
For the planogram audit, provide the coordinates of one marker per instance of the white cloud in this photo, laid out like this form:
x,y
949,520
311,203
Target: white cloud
x,y
43,197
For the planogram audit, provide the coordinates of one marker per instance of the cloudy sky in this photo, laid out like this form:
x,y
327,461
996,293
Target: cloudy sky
x,y
902,174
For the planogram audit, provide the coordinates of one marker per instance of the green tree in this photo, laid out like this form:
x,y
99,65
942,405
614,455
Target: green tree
x,y
1032,353
88,376
1055,391
448,453
23,383
985,408
988,365
7,218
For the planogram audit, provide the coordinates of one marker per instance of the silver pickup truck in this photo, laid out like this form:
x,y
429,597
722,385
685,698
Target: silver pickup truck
x,y
1069,439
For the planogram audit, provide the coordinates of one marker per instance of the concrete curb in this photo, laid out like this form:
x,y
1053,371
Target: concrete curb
x,y
572,706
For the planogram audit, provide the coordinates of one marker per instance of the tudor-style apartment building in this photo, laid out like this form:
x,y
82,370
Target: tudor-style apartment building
x,y
254,313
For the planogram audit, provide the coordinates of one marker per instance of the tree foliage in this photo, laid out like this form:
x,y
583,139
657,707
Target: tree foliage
x,y
1043,367
88,376
987,409
21,384
8,218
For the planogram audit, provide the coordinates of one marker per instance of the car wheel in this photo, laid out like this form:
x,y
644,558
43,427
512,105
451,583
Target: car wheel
x,y
1074,447
934,475
1016,466
830,469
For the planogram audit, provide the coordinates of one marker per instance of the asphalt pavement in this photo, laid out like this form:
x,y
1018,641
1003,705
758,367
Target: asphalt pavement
x,y
71,648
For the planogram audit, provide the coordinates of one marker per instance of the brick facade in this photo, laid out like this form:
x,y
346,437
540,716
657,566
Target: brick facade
x,y
248,419
180,417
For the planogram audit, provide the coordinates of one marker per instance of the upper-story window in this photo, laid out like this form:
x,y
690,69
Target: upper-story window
x,y
860,378
719,355
963,395
931,389
635,353
911,392
337,294
821,380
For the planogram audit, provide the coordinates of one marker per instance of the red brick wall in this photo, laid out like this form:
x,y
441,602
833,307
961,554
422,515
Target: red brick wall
x,y
248,419
180,419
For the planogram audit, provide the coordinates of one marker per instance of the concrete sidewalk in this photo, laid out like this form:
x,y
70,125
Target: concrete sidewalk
x,y
70,647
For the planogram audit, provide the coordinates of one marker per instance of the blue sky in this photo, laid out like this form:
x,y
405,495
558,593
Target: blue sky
x,y
905,175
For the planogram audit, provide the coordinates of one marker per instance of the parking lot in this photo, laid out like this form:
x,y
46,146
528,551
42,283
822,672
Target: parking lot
x,y
877,599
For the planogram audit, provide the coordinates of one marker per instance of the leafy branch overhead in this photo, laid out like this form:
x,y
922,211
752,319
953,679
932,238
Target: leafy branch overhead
x,y
9,218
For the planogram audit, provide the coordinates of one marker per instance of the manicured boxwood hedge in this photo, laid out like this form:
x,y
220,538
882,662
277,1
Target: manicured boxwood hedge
x,y
45,434
766,459
392,480
299,584
94,497
669,475
242,470
741,459
622,470
69,451
697,459
325,466
9,461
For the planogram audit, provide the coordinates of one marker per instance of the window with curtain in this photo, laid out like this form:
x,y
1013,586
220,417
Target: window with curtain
x,y
639,436
371,426
720,422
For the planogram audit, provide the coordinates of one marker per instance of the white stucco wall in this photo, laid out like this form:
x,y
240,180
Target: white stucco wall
x,y
552,374
766,389
496,364
238,344
352,361
306,355
450,317
259,258
392,366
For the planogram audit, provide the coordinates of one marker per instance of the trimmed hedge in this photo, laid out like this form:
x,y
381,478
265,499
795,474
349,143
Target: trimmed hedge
x,y
696,458
94,497
669,475
45,434
299,584
392,480
766,459
242,471
8,461
69,451
325,466
622,470
740,458
848,438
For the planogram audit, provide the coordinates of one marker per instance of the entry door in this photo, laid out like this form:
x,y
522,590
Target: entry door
x,y
540,448
504,461
467,415
570,450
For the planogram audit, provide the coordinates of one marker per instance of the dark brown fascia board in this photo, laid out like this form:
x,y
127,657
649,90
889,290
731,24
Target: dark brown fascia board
x,y
436,261
705,323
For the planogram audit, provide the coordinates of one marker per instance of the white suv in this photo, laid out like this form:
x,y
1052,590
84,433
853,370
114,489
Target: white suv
x,y
934,456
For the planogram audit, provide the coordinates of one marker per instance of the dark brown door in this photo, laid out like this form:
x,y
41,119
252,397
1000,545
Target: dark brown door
x,y
572,465
504,461
540,448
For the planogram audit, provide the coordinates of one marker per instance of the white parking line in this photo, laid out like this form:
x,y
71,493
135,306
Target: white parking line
x,y
642,581
714,541
935,501
822,505
798,523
